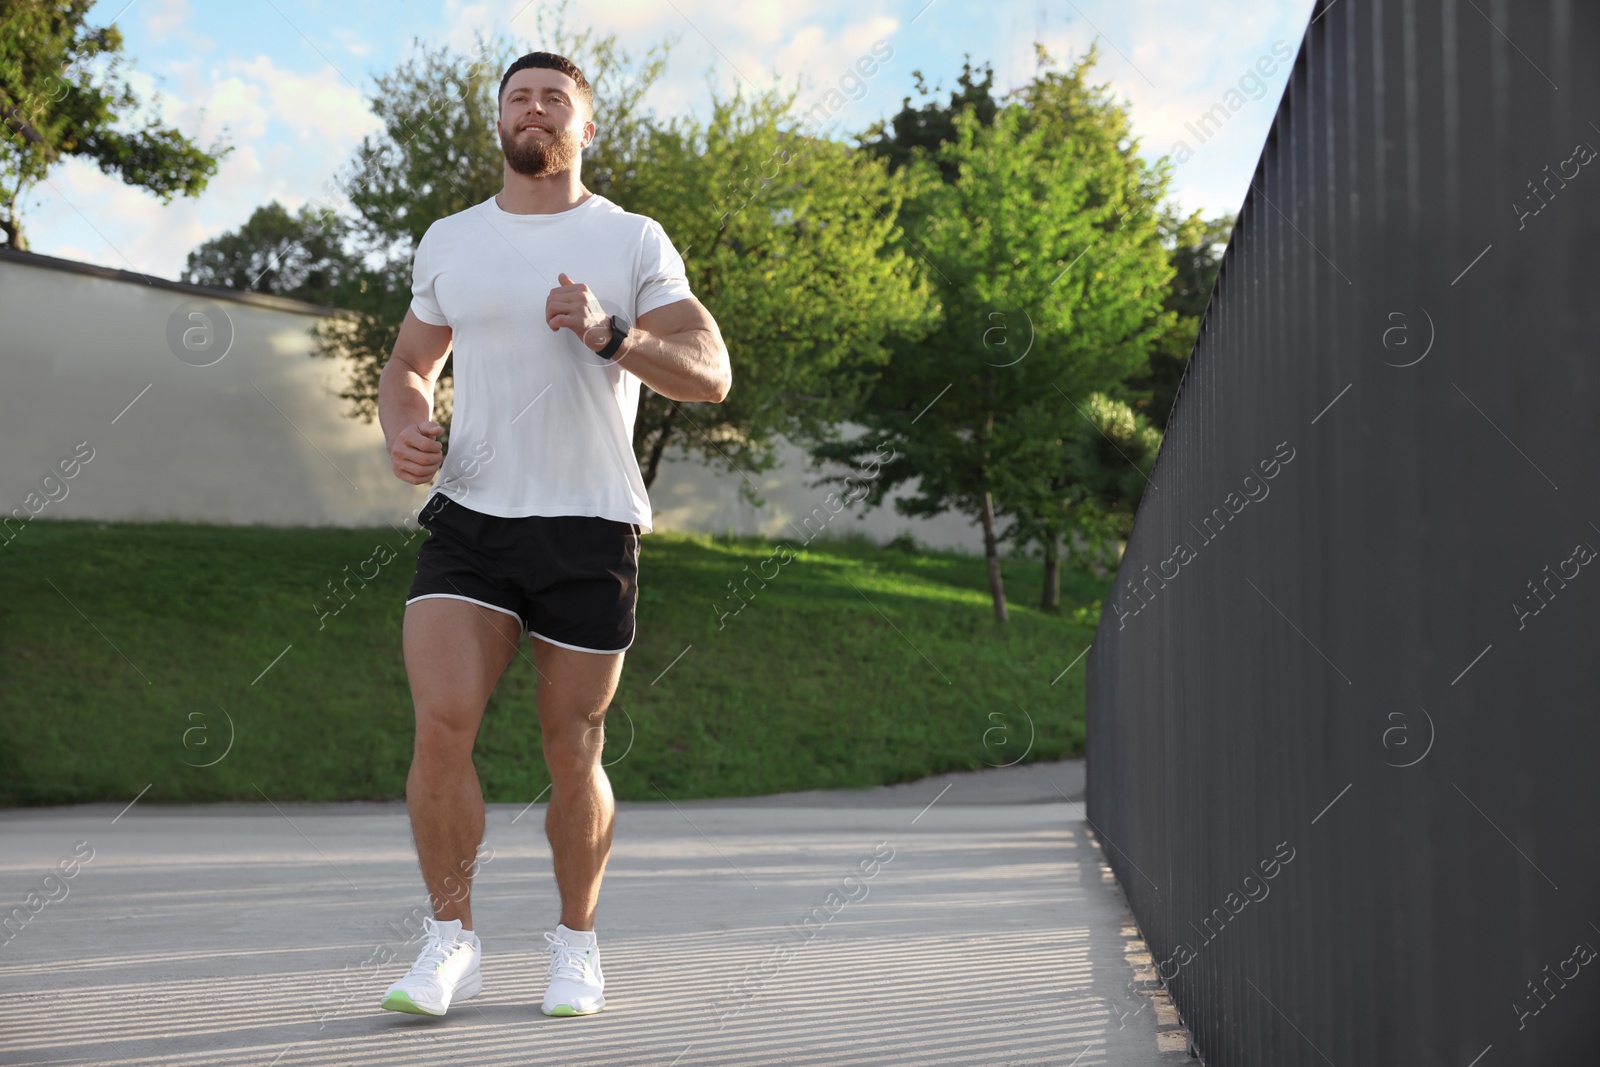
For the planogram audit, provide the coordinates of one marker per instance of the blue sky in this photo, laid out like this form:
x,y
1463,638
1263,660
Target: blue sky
x,y
287,81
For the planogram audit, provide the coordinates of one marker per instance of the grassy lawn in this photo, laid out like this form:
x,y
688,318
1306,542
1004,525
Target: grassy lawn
x,y
131,653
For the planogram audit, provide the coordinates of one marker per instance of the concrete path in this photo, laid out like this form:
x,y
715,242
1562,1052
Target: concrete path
x,y
989,932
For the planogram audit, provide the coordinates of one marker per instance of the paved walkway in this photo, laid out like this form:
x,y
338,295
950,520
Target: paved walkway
x,y
989,932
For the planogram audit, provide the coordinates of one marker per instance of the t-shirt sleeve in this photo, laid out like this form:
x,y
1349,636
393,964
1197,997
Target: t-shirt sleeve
x,y
662,279
424,302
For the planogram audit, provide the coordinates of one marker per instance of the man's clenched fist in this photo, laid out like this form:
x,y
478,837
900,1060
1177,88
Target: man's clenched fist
x,y
572,305
415,454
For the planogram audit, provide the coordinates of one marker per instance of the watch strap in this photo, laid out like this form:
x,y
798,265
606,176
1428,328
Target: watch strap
x,y
618,333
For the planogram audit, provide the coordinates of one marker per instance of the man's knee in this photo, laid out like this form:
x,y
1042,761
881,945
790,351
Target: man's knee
x,y
572,750
441,739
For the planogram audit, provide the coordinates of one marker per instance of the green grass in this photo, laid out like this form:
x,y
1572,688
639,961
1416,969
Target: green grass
x,y
856,665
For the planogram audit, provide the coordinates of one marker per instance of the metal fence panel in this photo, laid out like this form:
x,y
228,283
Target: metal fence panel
x,y
1342,704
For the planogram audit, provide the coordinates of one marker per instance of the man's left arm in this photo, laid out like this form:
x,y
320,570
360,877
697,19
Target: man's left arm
x,y
675,349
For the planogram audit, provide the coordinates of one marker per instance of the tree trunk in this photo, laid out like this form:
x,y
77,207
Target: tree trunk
x,y
19,124
663,434
1051,600
990,551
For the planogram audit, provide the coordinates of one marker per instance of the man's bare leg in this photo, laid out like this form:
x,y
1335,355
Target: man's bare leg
x,y
575,688
455,652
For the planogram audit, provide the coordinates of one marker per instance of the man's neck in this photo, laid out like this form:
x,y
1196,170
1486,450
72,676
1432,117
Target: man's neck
x,y
545,195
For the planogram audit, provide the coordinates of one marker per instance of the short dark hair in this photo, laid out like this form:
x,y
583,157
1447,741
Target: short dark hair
x,y
551,61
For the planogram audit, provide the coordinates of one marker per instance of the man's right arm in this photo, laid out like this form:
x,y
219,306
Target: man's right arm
x,y
405,399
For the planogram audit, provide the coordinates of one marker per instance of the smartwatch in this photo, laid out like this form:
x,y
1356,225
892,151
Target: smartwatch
x,y
619,333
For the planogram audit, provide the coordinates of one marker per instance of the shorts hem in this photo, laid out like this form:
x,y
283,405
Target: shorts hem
x,y
540,510
470,600
580,648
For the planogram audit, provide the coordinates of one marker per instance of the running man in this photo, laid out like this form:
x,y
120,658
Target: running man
x,y
557,304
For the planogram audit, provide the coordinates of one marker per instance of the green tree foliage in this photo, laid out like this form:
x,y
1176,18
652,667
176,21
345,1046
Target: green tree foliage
x,y
1092,479
1196,247
63,93
438,153
1099,504
1086,477
1046,253
791,242
934,123
304,256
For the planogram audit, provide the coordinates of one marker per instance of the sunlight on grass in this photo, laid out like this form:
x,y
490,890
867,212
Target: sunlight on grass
x,y
191,634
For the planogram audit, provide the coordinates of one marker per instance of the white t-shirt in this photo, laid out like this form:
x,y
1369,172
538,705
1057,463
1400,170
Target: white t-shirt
x,y
542,425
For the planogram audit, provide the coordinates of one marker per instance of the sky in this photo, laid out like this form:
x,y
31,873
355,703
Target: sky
x,y
287,83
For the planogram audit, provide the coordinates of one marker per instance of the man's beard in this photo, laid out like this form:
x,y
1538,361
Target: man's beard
x,y
528,155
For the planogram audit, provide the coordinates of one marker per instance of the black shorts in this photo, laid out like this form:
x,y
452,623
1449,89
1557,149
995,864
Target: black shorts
x,y
572,580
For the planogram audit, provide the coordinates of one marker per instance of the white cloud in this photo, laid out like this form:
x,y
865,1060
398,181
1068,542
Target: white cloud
x,y
746,43
290,132
293,129
320,106
462,21
353,43
164,19
821,61
80,206
1176,62
255,98
210,100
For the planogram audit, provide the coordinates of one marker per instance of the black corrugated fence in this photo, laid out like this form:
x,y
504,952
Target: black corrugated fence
x,y
1344,702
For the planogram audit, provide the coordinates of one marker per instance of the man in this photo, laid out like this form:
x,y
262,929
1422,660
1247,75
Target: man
x,y
557,304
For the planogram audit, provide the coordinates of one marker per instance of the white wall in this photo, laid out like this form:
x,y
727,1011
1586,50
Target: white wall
x,y
259,436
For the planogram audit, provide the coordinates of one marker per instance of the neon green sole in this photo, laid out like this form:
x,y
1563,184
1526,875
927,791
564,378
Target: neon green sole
x,y
399,1001
567,1011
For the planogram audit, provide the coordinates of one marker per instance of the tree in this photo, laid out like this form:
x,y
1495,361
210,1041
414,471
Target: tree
x,y
1088,480
438,154
1047,245
303,256
788,240
1100,475
1100,469
1196,247
933,124
57,98
791,241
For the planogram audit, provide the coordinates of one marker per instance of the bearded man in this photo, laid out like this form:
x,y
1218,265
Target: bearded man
x,y
557,304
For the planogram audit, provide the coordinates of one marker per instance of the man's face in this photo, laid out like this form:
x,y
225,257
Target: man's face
x,y
543,127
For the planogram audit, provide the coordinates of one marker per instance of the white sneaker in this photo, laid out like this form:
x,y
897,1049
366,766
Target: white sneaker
x,y
447,970
575,979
